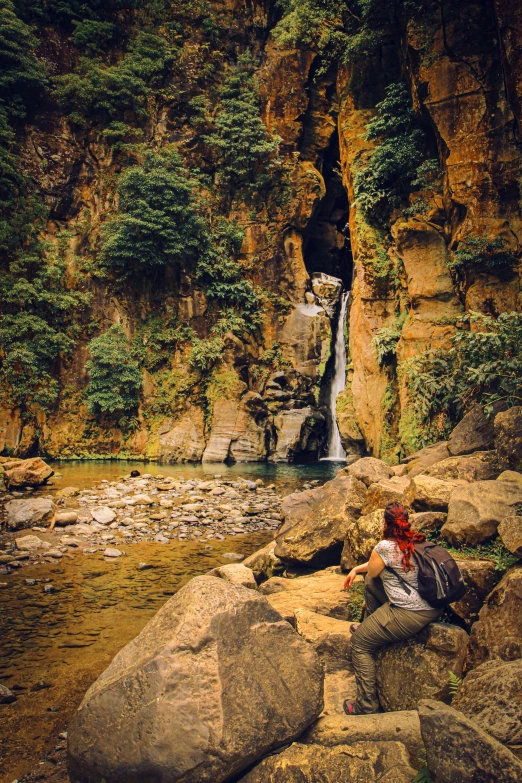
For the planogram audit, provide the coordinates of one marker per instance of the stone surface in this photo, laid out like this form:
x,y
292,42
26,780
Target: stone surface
x,y
419,462
419,668
27,472
497,634
31,543
316,521
321,592
364,761
510,475
237,574
510,531
264,563
475,511
26,513
473,433
111,551
399,489
298,431
457,749
63,518
370,470
427,520
480,466
491,695
103,515
213,682
508,438
480,577
329,637
68,492
362,537
6,696
184,441
433,494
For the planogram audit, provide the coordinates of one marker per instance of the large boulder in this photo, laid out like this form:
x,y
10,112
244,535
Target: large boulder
x,y
330,638
316,521
264,562
364,761
26,513
213,682
474,433
481,466
27,472
433,494
491,695
419,462
419,667
428,520
497,634
508,438
363,536
510,531
369,470
321,592
399,489
480,577
475,511
457,749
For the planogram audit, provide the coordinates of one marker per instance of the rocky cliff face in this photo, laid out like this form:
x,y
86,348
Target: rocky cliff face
x,y
263,396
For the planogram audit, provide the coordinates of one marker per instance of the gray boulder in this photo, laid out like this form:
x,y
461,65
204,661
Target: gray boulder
x,y
508,438
213,682
419,668
369,470
26,472
457,749
476,511
474,433
26,513
321,592
491,695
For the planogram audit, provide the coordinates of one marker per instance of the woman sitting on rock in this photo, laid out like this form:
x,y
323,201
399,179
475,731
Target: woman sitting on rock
x,y
392,613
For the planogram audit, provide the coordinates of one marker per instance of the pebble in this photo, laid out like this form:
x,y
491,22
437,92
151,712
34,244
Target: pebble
x,y
112,552
234,556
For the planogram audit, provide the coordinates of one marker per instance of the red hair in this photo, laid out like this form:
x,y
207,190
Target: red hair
x,y
397,528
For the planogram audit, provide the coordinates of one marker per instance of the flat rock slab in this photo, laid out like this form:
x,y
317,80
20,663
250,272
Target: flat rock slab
x,y
321,592
457,749
214,682
31,544
364,761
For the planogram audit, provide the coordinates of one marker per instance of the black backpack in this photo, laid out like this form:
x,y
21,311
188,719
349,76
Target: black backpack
x,y
439,577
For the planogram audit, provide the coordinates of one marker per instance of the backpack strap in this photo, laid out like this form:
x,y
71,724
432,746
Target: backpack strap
x,y
404,584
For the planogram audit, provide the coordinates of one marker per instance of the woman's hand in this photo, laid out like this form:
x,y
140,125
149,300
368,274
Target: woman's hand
x,y
350,579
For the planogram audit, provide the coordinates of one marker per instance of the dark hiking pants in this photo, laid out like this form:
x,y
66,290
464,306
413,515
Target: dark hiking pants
x,y
382,625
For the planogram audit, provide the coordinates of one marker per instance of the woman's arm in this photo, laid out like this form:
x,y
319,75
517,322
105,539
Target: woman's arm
x,y
375,564
361,569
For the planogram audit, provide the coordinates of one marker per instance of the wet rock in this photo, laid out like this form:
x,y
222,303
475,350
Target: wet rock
x,y
370,470
433,494
27,472
491,695
419,668
103,515
233,556
31,543
330,638
497,634
161,539
363,536
6,696
68,492
364,761
5,559
398,489
469,754
510,531
481,466
188,680
474,433
112,552
480,577
63,518
475,511
508,438
26,513
237,574
317,521
53,552
321,592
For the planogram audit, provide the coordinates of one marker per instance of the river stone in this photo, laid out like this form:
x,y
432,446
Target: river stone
x,y
330,638
68,492
213,682
508,438
369,470
112,552
63,518
237,574
363,536
26,513
457,749
481,466
497,634
491,695
475,511
480,577
433,494
316,521
474,433
103,515
27,473
419,667
398,489
364,761
31,543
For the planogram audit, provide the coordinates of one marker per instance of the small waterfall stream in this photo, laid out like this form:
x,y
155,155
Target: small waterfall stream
x,y
335,447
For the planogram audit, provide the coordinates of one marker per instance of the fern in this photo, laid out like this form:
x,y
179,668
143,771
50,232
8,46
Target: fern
x,y
423,776
454,684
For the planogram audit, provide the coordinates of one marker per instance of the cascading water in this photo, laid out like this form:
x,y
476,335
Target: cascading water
x,y
335,447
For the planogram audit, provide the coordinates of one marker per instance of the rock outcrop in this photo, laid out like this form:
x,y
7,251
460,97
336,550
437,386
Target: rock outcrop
x,y
215,681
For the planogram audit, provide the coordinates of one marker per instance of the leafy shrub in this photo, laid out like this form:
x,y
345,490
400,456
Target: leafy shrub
x,y
393,168
157,221
115,376
483,365
93,36
385,343
482,253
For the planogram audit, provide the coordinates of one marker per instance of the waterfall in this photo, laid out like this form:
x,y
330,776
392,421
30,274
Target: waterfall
x,y
335,447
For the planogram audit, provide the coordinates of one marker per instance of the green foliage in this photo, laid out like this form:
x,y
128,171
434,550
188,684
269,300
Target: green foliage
x,y
385,343
156,339
454,684
115,376
157,222
223,384
423,775
395,166
244,151
355,602
93,37
493,550
483,365
269,361
477,253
